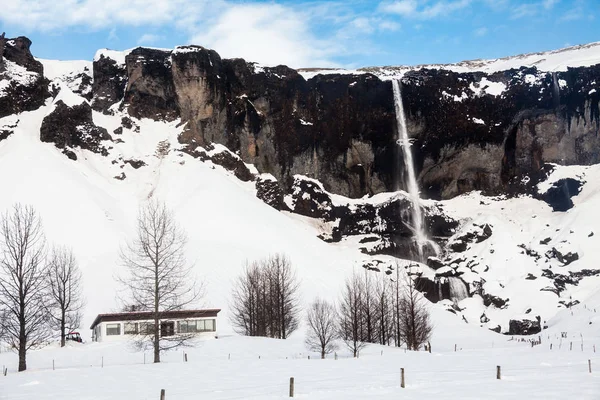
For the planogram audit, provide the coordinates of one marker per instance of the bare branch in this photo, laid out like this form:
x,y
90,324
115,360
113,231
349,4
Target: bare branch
x,y
158,277
23,284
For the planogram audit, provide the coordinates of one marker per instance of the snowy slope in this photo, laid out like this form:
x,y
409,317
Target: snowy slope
x,y
556,60
84,206
521,224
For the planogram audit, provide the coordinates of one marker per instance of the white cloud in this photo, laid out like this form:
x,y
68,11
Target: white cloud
x,y
532,9
481,31
423,9
406,8
269,33
48,15
112,35
391,26
149,38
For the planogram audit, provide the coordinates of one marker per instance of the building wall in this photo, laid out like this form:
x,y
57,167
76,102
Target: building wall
x,y
100,332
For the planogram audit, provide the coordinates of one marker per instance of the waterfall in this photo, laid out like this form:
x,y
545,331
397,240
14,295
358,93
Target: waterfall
x,y
411,180
458,289
555,90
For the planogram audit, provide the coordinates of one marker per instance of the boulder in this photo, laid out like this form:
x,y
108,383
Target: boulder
x,y
524,326
269,191
308,198
496,301
435,263
560,194
70,127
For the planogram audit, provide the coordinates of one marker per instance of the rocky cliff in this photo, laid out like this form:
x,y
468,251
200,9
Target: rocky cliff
x,y
472,131
22,83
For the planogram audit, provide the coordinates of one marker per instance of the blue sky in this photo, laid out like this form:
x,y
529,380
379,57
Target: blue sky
x,y
348,33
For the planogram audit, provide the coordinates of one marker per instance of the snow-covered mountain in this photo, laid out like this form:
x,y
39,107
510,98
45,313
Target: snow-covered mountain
x,y
583,55
262,161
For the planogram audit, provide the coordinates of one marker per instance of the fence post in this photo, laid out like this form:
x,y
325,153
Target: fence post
x,y
335,355
498,373
52,365
590,365
102,362
162,394
185,357
229,356
571,346
550,346
292,386
455,348
402,378
144,358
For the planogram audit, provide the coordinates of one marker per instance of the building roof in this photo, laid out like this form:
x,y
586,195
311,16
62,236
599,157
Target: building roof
x,y
149,315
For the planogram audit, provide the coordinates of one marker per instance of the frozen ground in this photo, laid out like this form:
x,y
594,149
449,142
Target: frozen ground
x,y
233,367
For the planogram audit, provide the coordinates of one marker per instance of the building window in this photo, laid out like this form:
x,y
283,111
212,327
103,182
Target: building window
x,y
202,325
131,328
209,325
113,329
146,328
187,326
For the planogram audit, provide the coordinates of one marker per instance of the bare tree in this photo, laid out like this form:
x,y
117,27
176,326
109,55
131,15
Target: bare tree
x,y
396,301
158,277
247,302
65,303
322,328
414,321
284,288
351,318
23,283
383,310
265,299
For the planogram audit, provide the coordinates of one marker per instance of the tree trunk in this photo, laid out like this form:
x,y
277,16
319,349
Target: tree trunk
x,y
22,349
62,329
156,342
322,353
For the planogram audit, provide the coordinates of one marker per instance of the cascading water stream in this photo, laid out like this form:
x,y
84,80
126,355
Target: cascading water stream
x,y
555,90
411,180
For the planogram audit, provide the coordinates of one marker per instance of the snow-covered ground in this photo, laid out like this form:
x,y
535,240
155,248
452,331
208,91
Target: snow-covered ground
x,y
234,367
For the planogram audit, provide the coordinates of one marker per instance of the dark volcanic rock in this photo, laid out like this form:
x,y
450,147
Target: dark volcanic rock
x,y
17,51
4,133
269,191
565,257
73,127
136,164
524,326
559,195
310,199
27,88
234,164
150,90
435,263
110,78
489,299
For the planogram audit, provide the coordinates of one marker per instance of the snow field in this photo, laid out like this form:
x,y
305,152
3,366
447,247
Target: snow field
x,y
230,368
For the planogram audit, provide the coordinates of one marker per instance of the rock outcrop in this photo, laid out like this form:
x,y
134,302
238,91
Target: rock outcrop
x,y
22,84
524,326
70,127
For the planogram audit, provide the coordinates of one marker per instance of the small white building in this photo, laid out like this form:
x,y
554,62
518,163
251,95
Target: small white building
x,y
108,327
